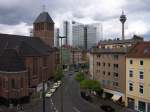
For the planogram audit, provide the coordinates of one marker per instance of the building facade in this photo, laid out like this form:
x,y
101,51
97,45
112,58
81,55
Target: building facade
x,y
108,67
25,61
138,78
85,36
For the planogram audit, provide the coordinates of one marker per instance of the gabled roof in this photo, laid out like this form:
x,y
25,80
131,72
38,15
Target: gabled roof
x,y
26,46
44,17
140,50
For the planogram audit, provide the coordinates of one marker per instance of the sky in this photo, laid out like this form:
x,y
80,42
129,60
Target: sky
x,y
17,16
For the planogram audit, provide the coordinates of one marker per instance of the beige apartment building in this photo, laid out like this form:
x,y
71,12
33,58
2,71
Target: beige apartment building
x,y
108,67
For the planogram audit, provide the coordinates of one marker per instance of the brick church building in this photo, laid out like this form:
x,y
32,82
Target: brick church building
x,y
27,61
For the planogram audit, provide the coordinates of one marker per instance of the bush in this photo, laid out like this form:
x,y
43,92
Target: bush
x,y
58,75
91,85
80,76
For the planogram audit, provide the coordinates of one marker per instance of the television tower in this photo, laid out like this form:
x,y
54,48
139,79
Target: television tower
x,y
123,19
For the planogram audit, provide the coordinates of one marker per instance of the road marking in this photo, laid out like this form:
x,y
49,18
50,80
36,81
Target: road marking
x,y
77,110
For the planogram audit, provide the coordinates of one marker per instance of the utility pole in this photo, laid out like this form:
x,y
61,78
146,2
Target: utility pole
x,y
62,106
43,95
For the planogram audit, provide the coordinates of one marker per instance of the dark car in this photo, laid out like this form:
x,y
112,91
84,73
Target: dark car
x,y
107,108
86,97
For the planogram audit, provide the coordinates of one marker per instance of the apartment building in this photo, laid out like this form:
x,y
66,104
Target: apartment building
x,y
138,77
108,67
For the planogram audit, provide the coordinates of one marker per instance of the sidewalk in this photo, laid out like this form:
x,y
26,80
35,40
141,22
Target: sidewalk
x,y
99,101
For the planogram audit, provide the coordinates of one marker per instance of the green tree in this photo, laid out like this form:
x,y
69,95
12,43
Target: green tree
x,y
58,74
80,76
90,85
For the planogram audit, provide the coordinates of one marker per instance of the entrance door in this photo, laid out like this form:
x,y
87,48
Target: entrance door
x,y
142,106
148,107
131,103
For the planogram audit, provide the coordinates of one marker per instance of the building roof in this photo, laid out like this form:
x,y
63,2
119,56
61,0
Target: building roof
x,y
109,51
140,50
26,46
117,41
44,17
10,61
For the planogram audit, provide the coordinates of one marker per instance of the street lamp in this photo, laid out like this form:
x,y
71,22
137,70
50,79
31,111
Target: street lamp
x,y
61,69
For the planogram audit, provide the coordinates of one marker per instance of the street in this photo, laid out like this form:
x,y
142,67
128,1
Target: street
x,y
72,101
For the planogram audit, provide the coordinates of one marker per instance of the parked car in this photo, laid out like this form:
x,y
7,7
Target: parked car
x,y
59,82
48,94
107,108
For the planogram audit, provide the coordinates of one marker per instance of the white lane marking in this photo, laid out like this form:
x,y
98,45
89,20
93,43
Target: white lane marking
x,y
77,110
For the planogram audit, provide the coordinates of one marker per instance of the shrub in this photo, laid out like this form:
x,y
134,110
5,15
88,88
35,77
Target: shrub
x,y
80,76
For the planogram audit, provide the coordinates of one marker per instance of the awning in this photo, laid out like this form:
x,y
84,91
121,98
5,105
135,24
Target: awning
x,y
116,97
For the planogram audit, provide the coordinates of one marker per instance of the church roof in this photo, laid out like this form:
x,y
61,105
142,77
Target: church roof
x,y
10,61
26,46
44,17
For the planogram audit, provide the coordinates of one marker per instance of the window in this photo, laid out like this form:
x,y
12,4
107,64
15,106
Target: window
x,y
103,72
115,75
35,66
108,64
115,83
98,56
130,87
130,73
141,75
13,83
103,82
115,65
115,57
22,82
142,106
4,83
103,64
45,61
131,62
98,64
108,73
141,62
141,89
108,82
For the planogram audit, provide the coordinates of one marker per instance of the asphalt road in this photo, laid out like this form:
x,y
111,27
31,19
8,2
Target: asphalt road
x,y
72,100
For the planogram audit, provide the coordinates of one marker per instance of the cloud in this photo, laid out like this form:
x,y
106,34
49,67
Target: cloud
x,y
23,13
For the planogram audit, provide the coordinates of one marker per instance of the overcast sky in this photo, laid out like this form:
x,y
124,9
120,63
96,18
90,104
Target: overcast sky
x,y
17,16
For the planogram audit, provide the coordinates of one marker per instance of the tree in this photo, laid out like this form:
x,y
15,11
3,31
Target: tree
x,y
58,74
90,85
80,76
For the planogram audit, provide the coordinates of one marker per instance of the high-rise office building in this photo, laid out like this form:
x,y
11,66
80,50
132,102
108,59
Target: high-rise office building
x,y
77,35
66,32
56,37
86,36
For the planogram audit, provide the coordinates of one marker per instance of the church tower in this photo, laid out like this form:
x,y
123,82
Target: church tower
x,y
43,27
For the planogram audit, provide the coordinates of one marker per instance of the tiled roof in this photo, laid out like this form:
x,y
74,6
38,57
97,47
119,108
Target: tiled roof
x,y
10,61
44,17
27,46
140,50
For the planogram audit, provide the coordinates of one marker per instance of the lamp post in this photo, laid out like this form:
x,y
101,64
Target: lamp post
x,y
61,69
43,95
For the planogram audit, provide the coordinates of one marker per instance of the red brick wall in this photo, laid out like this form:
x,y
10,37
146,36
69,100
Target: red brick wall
x,y
10,90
